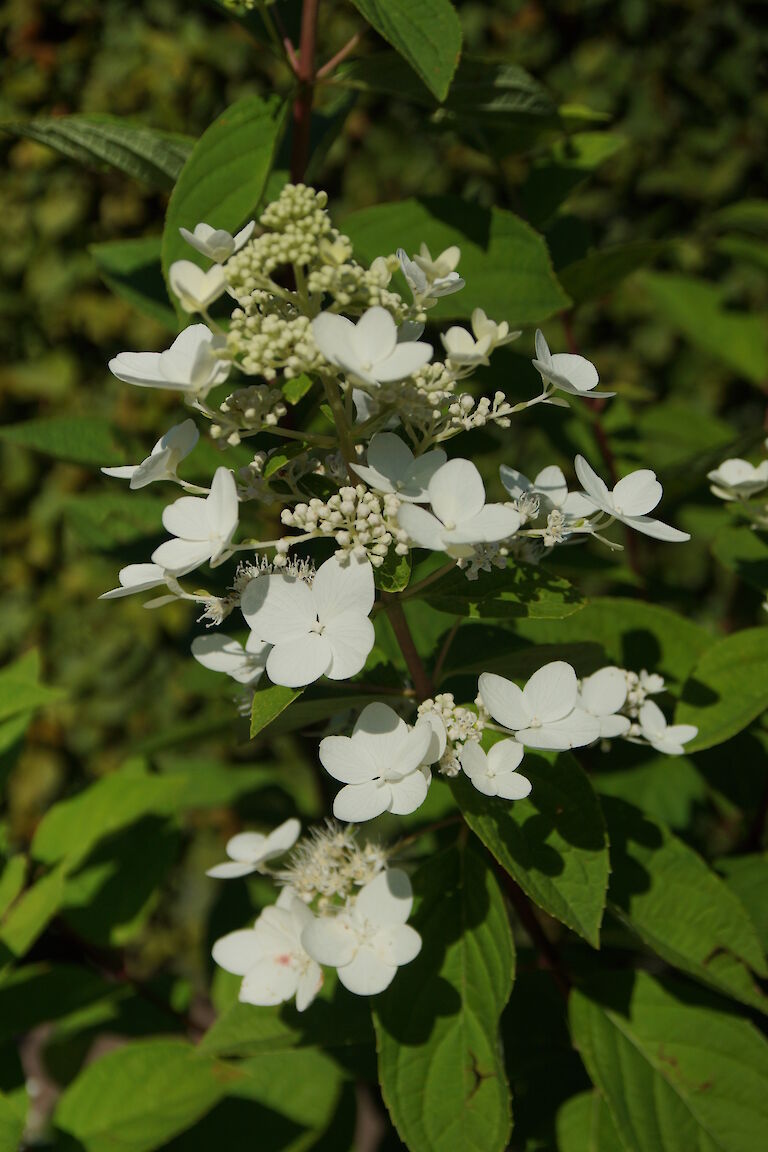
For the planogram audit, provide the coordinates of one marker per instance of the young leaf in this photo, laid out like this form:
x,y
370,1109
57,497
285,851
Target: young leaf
x,y
663,891
156,158
518,590
505,263
131,269
268,702
394,574
727,689
676,1072
440,1065
224,177
553,843
427,35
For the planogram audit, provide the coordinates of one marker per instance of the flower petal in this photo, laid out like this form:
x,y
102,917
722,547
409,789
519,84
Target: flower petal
x,y
389,455
294,663
187,518
238,951
310,983
282,838
330,940
387,899
505,701
456,492
657,529
246,847
351,638
347,760
359,802
221,506
230,870
181,556
512,786
604,692
424,529
505,756
332,334
382,733
278,608
593,485
272,980
368,974
375,335
343,588
551,692
409,792
404,361
493,522
400,943
637,493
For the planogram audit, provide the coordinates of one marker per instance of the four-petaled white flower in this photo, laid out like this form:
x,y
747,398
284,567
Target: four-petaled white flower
x,y
193,363
428,278
369,940
460,517
566,371
498,334
549,491
221,653
167,454
248,851
392,467
203,527
544,714
383,764
195,288
216,243
368,351
603,695
494,773
463,349
316,630
271,957
630,500
738,479
667,738
136,578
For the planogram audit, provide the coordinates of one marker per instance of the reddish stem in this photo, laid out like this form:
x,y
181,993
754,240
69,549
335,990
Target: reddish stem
x,y
302,105
416,669
549,957
341,55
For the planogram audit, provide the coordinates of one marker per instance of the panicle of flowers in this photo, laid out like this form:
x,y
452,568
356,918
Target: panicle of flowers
x,y
327,865
361,522
461,724
249,410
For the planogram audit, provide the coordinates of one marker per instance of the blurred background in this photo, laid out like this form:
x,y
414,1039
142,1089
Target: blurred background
x,y
671,102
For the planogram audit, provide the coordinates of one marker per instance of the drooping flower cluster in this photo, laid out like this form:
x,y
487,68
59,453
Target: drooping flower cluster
x,y
365,480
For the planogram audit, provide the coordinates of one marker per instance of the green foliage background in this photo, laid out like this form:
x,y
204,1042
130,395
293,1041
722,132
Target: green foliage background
x,y
668,103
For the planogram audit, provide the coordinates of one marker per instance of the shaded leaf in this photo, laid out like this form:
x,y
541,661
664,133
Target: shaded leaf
x,y
427,35
79,439
131,269
727,689
518,590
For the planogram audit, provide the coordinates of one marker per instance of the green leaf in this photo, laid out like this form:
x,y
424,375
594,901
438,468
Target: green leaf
x,y
664,892
12,879
727,689
427,35
746,215
20,687
32,912
269,702
584,1124
505,263
131,269
440,1063
697,310
72,827
677,1073
296,388
315,1081
632,634
107,520
224,177
599,272
244,1030
79,439
518,590
559,172
12,1123
156,158
553,843
139,1096
664,788
747,876
745,552
394,574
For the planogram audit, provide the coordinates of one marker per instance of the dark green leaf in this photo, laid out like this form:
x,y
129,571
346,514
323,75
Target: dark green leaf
x,y
394,574
504,262
727,689
747,876
440,1065
584,1124
131,268
744,552
518,590
427,35
154,157
107,520
20,687
553,843
268,702
80,439
599,272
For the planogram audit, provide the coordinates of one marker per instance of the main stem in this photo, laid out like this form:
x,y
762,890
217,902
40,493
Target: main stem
x,y
418,673
302,105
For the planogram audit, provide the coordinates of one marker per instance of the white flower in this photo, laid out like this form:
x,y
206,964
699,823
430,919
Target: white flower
x,y
392,467
668,738
463,349
249,850
544,713
136,578
167,454
369,350
460,517
270,956
738,479
629,501
216,243
547,492
603,695
192,363
573,374
203,527
495,773
383,764
319,630
369,940
221,653
195,288
498,334
431,278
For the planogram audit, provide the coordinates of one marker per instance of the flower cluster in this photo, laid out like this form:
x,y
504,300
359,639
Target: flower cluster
x,y
743,484
363,479
340,906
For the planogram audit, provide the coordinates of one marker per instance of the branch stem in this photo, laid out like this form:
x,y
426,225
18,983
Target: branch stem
x,y
416,669
304,68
